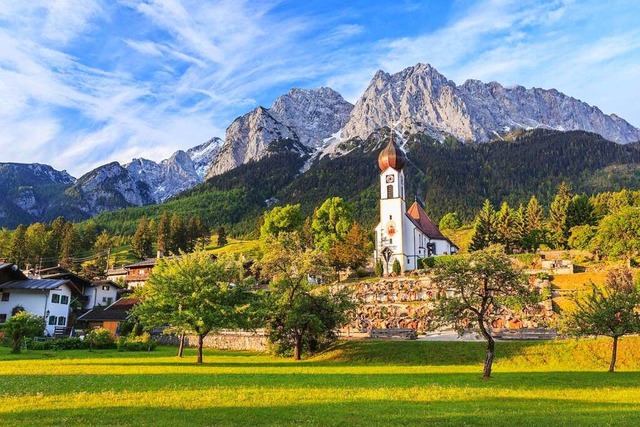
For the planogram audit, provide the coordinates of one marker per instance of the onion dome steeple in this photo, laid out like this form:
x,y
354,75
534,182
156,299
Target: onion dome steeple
x,y
392,156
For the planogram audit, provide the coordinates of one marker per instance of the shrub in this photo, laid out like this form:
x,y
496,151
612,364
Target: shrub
x,y
396,267
73,343
379,269
437,261
100,338
137,343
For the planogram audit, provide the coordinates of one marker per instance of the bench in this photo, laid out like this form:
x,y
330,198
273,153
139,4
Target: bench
x,y
525,334
394,333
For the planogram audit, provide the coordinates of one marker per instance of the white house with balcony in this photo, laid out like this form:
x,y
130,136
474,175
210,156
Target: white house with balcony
x,y
48,298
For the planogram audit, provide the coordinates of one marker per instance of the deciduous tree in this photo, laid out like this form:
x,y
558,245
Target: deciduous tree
x,y
299,317
611,311
476,289
195,293
20,326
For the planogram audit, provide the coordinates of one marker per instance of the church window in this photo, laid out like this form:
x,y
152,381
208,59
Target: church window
x,y
391,241
390,216
389,191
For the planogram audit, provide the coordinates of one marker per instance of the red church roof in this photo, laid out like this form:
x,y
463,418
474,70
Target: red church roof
x,y
419,217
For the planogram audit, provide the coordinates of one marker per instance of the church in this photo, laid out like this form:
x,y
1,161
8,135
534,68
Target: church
x,y
406,235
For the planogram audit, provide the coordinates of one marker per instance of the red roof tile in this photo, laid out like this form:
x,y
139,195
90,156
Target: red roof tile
x,y
419,217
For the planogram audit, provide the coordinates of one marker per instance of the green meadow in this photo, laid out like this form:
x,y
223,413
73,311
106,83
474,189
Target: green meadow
x,y
354,383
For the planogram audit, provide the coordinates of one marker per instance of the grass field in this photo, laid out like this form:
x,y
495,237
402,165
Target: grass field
x,y
356,383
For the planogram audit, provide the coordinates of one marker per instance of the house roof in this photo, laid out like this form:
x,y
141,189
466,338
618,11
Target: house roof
x,y
74,278
35,284
11,271
106,282
117,272
420,219
54,270
117,311
149,262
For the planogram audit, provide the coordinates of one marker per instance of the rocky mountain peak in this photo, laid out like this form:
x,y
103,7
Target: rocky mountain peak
x,y
304,116
420,99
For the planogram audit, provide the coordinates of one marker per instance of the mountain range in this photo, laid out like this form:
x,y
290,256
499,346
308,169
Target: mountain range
x,y
307,126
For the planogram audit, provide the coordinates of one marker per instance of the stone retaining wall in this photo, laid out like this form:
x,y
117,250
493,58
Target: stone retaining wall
x,y
231,340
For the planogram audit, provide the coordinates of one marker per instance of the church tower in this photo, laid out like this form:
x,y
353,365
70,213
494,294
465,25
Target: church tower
x,y
389,235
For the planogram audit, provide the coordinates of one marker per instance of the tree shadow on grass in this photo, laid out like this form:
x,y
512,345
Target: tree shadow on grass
x,y
14,385
512,411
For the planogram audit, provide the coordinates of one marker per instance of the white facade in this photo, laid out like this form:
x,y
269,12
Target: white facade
x,y
406,236
52,305
100,294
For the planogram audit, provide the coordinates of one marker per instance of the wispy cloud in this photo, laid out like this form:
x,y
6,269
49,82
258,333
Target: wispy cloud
x,y
84,83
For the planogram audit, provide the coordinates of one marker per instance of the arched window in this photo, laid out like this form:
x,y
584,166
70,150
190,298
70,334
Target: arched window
x,y
389,191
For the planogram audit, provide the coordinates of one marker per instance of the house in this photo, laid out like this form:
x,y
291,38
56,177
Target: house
x,y
405,235
49,298
102,293
117,274
96,293
138,273
111,317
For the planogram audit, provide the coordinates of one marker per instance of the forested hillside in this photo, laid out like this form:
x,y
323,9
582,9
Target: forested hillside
x,y
448,176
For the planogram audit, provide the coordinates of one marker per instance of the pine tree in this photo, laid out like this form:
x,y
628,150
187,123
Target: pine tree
x,y
521,229
484,233
534,215
222,236
163,233
68,247
506,227
142,242
18,246
558,217
56,235
177,234
580,211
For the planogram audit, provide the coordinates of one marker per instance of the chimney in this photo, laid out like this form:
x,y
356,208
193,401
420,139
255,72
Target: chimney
x,y
160,254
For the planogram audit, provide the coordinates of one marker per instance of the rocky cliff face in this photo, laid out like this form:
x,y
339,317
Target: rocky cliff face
x,y
303,118
109,187
419,99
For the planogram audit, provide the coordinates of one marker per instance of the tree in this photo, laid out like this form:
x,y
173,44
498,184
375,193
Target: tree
x,y
20,326
18,246
195,293
619,234
611,311
476,290
379,268
353,252
103,245
396,267
197,233
558,216
286,218
534,215
533,230
68,247
37,241
299,317
177,235
506,227
142,242
580,211
450,221
331,222
56,235
580,236
222,237
484,233
163,233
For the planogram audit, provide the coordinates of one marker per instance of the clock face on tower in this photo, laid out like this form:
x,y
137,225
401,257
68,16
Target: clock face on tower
x,y
390,179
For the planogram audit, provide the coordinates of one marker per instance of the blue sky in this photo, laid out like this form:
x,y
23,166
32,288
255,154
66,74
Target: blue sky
x,y
85,82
